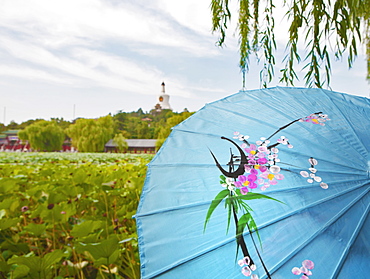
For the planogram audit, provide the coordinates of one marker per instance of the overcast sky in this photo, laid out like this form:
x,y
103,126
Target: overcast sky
x,y
88,58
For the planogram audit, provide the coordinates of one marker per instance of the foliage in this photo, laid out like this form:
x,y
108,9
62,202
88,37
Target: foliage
x,y
320,23
2,127
120,140
60,122
132,125
91,135
12,126
15,126
172,121
43,135
140,125
68,215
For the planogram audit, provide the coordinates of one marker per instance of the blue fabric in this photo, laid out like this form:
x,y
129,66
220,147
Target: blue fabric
x,y
327,226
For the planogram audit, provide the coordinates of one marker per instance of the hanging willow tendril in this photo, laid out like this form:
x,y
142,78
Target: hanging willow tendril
x,y
329,29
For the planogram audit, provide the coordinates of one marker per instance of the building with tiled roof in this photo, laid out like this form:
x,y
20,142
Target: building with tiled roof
x,y
134,146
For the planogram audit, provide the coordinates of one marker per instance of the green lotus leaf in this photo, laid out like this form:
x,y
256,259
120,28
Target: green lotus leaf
x,y
86,228
6,223
35,229
20,271
104,249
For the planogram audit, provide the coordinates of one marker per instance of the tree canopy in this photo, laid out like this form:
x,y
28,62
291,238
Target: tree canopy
x,y
121,142
326,27
91,135
43,135
165,130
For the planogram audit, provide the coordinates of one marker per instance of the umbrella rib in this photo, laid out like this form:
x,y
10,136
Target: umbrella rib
x,y
232,239
350,243
349,124
192,257
318,232
315,186
323,160
292,169
156,165
194,132
153,212
274,127
312,205
227,241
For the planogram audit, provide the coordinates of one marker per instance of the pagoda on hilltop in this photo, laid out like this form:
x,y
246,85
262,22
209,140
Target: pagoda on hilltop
x,y
163,100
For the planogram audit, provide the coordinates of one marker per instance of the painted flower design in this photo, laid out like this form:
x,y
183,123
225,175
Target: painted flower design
x,y
262,170
239,136
304,270
229,184
316,118
248,268
283,140
311,176
257,166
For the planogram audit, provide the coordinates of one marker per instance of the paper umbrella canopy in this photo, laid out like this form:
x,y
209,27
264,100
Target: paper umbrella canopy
x,y
270,183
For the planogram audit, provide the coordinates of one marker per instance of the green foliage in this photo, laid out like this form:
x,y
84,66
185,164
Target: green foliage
x,y
60,122
68,215
15,126
12,125
91,135
322,25
153,125
36,266
43,135
172,121
120,140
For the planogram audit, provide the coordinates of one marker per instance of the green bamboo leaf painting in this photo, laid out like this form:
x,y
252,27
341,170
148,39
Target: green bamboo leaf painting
x,y
217,200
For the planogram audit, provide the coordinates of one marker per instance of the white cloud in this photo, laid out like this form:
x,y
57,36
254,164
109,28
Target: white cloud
x,y
87,68
62,23
32,74
64,42
190,13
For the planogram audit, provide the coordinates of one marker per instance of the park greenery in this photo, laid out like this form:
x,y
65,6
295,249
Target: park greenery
x,y
44,135
328,29
69,215
121,143
90,135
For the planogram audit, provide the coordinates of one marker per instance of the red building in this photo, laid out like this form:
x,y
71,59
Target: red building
x,y
10,141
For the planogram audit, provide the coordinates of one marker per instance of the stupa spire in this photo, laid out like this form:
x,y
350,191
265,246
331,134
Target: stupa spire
x,y
163,99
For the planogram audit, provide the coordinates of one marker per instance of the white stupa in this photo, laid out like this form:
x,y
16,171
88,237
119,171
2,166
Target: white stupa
x,y
163,99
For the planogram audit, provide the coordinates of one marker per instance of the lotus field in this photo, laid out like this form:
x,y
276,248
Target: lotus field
x,y
69,215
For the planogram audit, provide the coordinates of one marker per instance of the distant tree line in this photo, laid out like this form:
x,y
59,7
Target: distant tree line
x,y
91,135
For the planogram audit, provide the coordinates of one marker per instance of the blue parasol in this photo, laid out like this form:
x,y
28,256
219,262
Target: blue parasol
x,y
270,183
